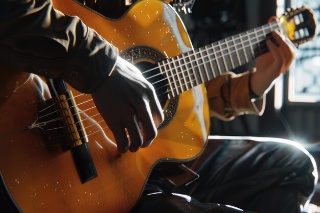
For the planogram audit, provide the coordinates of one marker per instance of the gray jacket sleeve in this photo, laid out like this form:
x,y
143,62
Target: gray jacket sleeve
x,y
36,38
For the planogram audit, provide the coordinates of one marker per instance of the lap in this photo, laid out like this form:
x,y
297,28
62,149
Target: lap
x,y
252,173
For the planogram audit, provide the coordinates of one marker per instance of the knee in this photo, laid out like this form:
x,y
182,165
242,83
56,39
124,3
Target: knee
x,y
304,172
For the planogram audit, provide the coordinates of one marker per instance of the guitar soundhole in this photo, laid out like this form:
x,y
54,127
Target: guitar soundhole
x,y
151,73
146,59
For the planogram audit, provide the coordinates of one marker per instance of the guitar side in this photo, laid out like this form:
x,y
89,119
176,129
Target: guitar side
x,y
156,25
41,177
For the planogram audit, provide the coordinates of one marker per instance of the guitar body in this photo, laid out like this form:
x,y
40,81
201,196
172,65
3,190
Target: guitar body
x,y
42,177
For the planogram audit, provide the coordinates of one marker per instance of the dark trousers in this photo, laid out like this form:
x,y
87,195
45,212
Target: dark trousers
x,y
265,175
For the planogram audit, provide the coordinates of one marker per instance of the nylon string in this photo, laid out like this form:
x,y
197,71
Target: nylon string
x,y
221,52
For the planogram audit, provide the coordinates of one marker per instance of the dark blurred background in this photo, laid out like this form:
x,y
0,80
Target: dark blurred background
x,y
296,119
293,105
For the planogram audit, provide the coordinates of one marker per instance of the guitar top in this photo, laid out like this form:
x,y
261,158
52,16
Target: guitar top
x,y
36,162
40,131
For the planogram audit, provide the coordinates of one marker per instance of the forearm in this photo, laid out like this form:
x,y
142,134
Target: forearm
x,y
36,38
229,97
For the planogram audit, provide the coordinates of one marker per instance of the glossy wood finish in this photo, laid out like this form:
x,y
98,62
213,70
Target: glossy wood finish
x,y
41,177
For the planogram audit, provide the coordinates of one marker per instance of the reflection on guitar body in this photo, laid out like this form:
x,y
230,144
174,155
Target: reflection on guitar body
x,y
41,173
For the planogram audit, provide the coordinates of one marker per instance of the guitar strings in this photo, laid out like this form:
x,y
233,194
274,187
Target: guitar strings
x,y
262,49
221,52
190,62
193,81
87,127
38,125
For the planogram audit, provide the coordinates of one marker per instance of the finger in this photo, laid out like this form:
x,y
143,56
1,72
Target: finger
x,y
277,58
135,137
120,135
156,109
276,41
282,40
147,123
278,37
272,19
286,46
272,47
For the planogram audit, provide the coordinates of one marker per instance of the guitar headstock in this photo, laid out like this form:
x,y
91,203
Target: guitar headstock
x,y
299,25
183,5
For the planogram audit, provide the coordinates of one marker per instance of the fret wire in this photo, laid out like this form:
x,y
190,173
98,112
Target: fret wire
x,y
203,65
195,64
250,44
169,78
264,34
210,62
193,68
243,48
258,43
234,53
230,54
242,51
208,66
222,56
215,65
160,67
183,73
173,77
187,69
236,50
216,59
270,28
177,75
198,74
273,27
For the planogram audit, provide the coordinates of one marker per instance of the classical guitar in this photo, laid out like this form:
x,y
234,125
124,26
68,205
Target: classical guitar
x,y
58,155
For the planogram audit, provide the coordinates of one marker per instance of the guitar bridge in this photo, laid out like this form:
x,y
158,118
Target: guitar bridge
x,y
70,132
71,120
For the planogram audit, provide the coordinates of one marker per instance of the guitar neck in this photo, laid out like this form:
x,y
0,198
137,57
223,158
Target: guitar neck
x,y
199,66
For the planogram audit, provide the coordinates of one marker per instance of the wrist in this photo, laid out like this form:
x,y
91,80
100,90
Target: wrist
x,y
252,93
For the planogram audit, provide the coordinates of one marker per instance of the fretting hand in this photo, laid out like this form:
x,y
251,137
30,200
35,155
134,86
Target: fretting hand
x,y
272,64
129,105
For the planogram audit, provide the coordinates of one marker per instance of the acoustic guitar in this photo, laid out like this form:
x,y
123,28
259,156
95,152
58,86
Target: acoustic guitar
x,y
58,155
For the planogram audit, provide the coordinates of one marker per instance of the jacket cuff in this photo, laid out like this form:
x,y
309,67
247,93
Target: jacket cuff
x,y
92,64
240,99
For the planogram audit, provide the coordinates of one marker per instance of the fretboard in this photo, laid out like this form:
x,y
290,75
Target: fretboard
x,y
199,66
